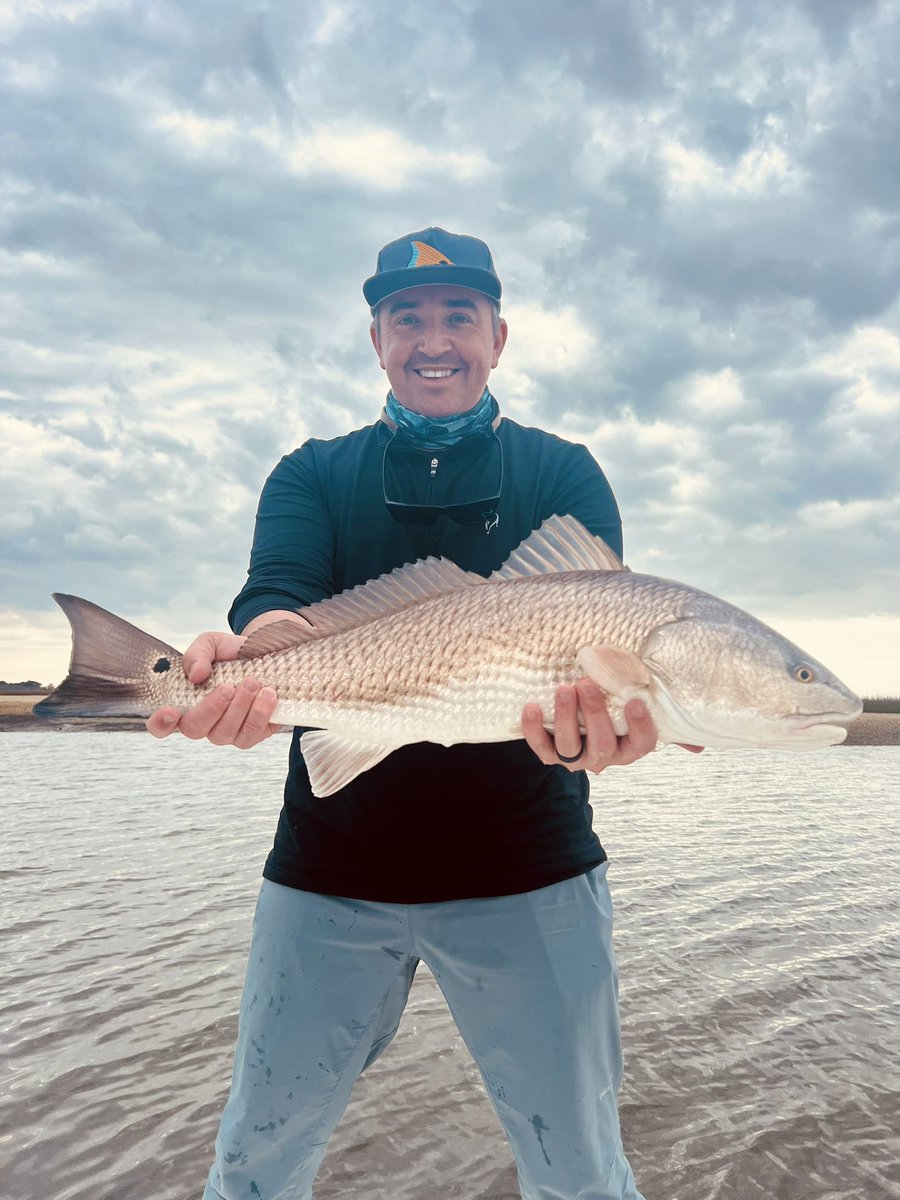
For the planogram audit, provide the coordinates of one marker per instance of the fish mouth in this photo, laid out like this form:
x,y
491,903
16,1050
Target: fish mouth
x,y
825,729
801,721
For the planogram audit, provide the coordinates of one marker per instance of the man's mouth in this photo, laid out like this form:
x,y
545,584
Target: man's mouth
x,y
435,372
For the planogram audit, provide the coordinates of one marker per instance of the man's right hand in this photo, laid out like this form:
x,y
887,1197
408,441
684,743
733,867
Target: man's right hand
x,y
228,716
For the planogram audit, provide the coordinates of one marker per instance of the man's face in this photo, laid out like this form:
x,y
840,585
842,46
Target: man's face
x,y
438,346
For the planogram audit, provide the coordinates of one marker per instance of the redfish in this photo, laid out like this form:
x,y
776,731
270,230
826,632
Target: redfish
x,y
434,653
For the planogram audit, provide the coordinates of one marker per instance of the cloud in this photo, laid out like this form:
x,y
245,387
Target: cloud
x,y
357,153
693,211
715,394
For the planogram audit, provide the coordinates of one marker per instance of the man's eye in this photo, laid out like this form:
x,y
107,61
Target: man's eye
x,y
407,320
460,318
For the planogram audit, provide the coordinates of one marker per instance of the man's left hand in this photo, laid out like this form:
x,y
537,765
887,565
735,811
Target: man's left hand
x,y
603,747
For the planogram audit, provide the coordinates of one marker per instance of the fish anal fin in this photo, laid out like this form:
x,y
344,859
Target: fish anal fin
x,y
279,635
334,760
619,672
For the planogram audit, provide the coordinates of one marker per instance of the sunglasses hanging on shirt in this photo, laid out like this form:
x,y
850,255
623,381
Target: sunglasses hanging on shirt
x,y
401,500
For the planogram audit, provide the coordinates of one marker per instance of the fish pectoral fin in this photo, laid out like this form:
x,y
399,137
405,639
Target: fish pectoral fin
x,y
333,760
617,671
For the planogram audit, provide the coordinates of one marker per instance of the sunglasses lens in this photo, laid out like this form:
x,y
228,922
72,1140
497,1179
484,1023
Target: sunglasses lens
x,y
413,514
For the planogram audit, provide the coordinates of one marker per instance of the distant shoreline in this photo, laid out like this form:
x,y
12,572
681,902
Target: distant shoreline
x,y
871,729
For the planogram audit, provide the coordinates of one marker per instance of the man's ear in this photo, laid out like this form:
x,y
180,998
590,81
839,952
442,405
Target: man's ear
x,y
376,341
499,341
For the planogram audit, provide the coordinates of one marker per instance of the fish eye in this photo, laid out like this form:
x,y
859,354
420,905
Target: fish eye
x,y
804,674
161,664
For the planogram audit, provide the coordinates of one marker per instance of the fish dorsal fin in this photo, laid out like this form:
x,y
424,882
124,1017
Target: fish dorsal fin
x,y
560,544
401,588
280,635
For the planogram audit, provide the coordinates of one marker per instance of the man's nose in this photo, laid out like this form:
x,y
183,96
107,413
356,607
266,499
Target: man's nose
x,y
433,338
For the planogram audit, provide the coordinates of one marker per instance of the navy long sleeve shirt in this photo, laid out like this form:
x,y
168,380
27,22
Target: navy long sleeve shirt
x,y
429,822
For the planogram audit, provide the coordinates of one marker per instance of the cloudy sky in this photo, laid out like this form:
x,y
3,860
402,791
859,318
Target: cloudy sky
x,y
693,207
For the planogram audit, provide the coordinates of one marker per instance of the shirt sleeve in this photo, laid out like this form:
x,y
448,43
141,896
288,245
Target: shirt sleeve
x,y
583,491
292,557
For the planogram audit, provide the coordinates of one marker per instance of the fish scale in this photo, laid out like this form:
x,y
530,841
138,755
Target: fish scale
x,y
498,627
434,653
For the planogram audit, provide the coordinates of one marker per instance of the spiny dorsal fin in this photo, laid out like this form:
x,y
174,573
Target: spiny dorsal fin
x,y
280,635
402,588
560,544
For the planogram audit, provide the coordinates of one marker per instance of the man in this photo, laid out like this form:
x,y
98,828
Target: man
x,y
479,859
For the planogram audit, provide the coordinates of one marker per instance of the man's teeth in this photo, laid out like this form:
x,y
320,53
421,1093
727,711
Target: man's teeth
x,y
443,373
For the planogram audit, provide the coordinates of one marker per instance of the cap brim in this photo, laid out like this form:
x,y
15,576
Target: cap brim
x,y
385,284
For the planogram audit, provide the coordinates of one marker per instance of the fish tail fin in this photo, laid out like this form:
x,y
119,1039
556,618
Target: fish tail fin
x,y
112,669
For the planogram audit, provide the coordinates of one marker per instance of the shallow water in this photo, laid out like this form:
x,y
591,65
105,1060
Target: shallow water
x,y
758,938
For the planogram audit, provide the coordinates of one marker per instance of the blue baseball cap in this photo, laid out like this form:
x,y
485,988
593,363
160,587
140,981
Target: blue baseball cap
x,y
432,256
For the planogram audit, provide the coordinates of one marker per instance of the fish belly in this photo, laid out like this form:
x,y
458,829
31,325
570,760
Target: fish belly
x,y
485,705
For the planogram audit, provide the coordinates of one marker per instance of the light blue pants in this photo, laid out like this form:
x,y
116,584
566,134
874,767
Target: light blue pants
x,y
531,983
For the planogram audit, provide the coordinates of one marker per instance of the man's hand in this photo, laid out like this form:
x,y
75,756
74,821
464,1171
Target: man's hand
x,y
229,716
602,746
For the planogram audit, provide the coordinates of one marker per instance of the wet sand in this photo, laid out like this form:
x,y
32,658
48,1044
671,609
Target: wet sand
x,y
871,729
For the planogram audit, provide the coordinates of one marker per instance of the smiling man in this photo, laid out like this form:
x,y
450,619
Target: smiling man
x,y
438,344
478,859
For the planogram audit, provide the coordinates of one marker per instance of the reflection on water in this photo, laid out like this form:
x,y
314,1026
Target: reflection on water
x,y
758,939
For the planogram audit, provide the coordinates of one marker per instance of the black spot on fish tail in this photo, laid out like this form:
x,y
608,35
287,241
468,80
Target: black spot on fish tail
x,y
108,669
162,664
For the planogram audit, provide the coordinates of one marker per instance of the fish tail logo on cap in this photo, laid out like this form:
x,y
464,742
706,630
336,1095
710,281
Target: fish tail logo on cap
x,y
432,256
424,255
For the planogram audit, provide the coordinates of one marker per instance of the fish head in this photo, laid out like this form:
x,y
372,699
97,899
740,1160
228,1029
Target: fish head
x,y
726,679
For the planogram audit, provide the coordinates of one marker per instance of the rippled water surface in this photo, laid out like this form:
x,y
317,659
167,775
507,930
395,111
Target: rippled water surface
x,y
757,933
